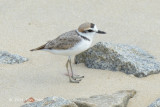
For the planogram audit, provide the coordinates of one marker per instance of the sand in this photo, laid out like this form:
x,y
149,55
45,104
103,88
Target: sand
x,y
26,24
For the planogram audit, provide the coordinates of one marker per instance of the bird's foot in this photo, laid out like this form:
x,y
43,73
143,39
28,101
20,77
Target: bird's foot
x,y
77,77
74,81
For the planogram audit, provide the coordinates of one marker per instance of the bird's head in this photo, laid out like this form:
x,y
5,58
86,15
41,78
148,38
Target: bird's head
x,y
89,29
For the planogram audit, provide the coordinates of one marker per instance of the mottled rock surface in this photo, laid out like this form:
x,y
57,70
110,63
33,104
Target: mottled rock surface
x,y
119,99
119,57
7,58
52,102
156,103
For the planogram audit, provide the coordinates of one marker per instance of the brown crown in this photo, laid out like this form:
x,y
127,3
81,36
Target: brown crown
x,y
85,26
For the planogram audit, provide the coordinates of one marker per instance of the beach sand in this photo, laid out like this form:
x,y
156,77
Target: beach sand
x,y
27,24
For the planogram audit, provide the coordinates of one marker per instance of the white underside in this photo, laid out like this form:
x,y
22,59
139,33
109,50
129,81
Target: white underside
x,y
78,48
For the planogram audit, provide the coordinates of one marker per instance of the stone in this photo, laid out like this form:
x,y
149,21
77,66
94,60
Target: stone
x,y
119,99
155,103
52,102
119,57
7,58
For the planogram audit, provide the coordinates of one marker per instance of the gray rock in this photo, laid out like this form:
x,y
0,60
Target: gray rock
x,y
119,57
156,103
7,58
52,102
119,99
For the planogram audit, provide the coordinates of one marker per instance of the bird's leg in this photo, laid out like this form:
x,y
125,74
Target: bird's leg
x,y
70,78
73,75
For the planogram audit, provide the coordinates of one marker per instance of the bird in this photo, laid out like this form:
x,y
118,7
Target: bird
x,y
72,43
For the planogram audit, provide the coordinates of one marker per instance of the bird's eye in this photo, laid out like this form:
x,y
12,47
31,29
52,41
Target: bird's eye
x,y
90,30
86,31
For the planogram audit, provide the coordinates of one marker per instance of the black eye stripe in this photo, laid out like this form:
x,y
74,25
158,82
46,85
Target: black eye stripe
x,y
90,30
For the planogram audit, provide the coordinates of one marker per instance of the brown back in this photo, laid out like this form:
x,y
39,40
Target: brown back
x,y
64,41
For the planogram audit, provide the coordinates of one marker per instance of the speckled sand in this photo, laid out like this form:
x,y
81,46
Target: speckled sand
x,y
26,24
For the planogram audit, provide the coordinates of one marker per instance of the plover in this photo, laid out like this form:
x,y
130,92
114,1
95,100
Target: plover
x,y
72,43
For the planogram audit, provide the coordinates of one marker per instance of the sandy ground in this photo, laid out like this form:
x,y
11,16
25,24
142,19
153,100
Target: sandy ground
x,y
26,24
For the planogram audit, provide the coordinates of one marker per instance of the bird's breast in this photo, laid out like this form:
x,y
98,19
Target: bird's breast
x,y
82,45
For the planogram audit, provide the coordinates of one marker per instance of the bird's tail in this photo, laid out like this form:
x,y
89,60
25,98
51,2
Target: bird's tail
x,y
39,48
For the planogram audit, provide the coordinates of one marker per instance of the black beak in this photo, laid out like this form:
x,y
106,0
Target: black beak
x,y
101,32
